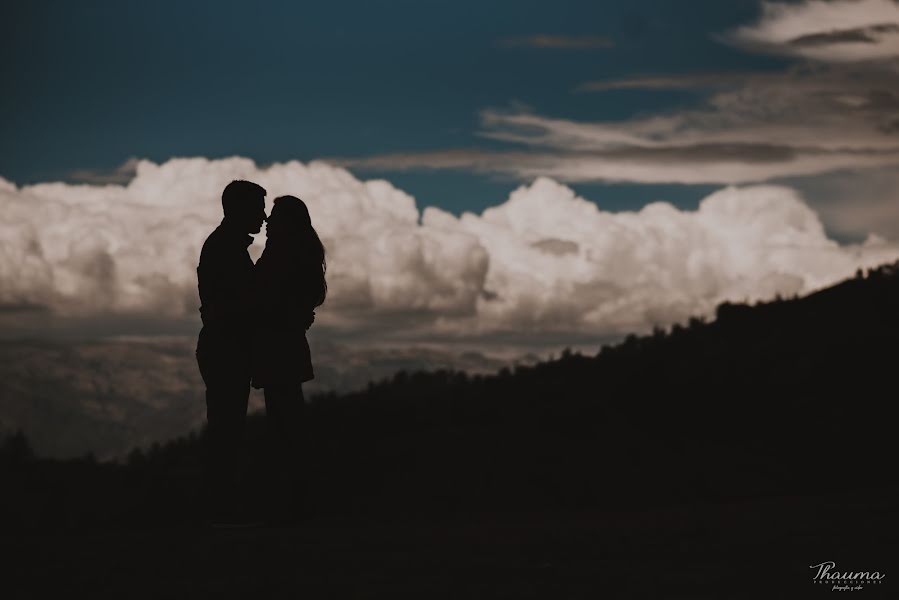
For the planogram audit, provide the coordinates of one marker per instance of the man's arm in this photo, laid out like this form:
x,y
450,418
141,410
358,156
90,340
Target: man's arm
x,y
224,277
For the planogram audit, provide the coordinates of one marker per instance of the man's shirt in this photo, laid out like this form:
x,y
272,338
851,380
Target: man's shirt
x,y
225,279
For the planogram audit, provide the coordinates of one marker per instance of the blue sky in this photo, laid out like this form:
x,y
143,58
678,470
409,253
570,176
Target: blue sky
x,y
94,83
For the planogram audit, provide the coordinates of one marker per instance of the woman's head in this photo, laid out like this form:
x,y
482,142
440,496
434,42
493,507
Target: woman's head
x,y
290,223
289,217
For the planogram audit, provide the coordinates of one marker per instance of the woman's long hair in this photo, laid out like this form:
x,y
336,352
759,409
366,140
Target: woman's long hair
x,y
309,246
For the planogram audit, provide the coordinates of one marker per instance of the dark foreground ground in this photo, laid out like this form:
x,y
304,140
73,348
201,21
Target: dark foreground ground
x,y
753,549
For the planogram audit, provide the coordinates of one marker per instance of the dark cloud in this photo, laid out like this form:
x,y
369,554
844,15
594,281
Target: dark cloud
x,y
121,175
556,246
486,161
890,127
669,82
880,102
857,35
17,309
450,158
561,42
835,31
706,153
856,204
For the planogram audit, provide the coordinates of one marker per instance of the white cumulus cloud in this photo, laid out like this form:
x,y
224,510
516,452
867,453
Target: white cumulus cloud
x,y
557,260
544,262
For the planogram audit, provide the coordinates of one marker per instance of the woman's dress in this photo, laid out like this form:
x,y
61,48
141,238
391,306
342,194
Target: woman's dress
x,y
281,353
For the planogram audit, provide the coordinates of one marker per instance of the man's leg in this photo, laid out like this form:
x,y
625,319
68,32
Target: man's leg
x,y
226,411
227,394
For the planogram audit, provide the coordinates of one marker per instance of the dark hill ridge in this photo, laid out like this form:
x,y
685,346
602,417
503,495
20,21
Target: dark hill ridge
x,y
787,398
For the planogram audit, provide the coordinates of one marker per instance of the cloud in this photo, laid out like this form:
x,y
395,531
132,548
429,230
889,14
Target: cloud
x,y
120,175
823,108
82,249
833,113
658,265
669,82
838,31
559,42
806,121
544,264
689,164
874,194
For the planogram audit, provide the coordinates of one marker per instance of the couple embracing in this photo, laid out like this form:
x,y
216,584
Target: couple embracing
x,y
255,319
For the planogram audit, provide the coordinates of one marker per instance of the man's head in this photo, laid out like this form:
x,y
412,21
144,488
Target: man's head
x,y
244,205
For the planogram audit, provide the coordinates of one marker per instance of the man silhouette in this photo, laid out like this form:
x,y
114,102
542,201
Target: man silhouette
x,y
225,276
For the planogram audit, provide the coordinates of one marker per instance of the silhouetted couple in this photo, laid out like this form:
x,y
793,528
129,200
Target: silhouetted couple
x,y
255,319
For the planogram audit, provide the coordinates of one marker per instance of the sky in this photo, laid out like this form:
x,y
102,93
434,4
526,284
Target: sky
x,y
508,178
94,84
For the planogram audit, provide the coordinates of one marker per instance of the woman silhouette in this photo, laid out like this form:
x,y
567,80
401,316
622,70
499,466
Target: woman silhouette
x,y
290,279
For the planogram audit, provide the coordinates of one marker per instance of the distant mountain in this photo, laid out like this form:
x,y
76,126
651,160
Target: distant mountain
x,y
107,396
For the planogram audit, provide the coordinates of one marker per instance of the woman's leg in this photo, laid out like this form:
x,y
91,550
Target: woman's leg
x,y
284,411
